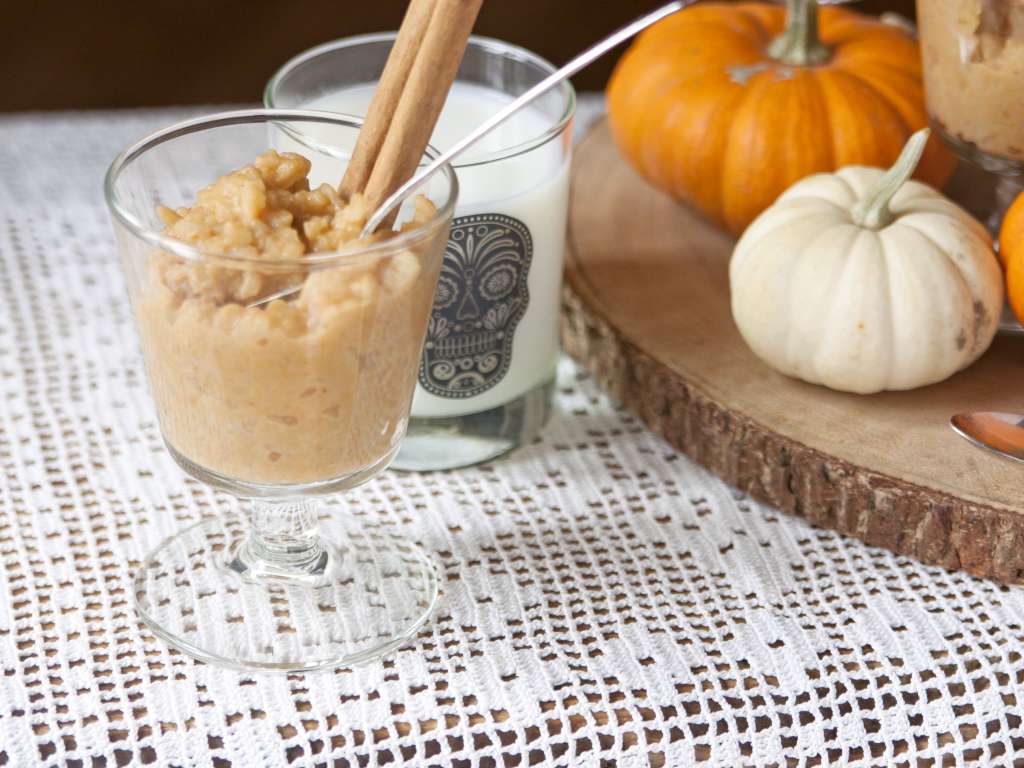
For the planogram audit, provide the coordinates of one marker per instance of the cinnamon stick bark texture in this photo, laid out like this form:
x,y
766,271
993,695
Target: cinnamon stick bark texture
x,y
385,98
426,89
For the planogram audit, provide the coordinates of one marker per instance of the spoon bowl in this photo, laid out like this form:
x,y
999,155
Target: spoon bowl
x,y
996,432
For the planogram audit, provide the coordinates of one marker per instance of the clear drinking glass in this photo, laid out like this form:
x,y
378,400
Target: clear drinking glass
x,y
485,383
279,404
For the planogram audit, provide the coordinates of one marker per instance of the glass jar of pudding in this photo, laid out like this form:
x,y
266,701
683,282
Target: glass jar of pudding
x,y
973,57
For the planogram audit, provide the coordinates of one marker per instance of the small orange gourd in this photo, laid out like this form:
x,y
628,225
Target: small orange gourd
x,y
725,105
1011,255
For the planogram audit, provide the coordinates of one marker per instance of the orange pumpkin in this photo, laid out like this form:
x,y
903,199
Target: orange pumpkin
x,y
725,105
1011,254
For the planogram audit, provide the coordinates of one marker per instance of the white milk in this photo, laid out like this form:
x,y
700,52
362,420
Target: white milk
x,y
468,366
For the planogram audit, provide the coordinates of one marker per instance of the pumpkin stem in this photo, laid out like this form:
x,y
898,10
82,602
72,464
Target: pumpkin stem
x,y
872,210
799,44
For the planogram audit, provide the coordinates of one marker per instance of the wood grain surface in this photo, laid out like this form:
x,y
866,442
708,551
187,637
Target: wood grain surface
x,y
647,312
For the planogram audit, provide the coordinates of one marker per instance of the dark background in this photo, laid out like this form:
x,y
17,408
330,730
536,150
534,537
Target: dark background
x,y
80,54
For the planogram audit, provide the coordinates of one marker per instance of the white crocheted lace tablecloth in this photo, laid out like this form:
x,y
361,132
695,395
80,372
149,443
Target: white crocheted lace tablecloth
x,y
605,601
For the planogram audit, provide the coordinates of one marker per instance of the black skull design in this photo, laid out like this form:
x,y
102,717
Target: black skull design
x,y
481,297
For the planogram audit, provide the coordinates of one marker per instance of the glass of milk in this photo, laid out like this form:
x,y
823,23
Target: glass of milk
x,y
486,378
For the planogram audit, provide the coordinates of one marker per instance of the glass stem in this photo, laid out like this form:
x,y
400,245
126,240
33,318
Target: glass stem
x,y
1006,190
284,536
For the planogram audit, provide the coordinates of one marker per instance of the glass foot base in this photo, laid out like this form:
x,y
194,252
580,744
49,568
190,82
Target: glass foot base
x,y
366,593
1008,323
461,441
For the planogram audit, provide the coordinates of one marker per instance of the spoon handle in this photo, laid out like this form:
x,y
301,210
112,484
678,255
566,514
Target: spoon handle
x,y
568,70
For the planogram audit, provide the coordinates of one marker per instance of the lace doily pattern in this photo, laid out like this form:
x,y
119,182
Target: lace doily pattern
x,y
605,601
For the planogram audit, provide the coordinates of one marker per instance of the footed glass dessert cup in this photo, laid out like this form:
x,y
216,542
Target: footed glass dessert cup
x,y
281,403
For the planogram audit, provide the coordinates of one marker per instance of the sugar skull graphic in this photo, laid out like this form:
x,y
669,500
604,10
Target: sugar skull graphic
x,y
481,297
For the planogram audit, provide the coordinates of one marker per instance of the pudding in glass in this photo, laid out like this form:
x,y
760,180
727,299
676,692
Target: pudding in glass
x,y
291,391
281,348
973,57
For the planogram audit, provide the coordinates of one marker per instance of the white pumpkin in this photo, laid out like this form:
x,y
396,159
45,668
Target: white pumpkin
x,y
864,281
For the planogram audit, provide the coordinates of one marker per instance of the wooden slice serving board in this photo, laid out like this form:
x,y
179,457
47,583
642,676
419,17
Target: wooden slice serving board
x,y
647,312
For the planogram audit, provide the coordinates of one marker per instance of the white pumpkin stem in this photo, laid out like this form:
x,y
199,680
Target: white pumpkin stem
x,y
799,44
872,210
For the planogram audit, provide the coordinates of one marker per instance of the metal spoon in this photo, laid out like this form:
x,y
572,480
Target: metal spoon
x,y
588,56
999,433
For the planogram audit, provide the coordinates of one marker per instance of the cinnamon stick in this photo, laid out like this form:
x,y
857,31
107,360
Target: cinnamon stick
x,y
385,98
430,78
